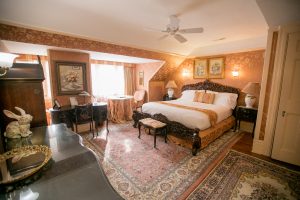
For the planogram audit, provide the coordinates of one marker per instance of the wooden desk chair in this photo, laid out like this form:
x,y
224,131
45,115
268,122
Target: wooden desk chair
x,y
83,115
138,98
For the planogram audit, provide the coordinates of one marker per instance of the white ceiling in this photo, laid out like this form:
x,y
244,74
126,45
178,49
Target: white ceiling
x,y
125,22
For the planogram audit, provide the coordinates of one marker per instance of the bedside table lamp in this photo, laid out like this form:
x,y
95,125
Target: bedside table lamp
x,y
171,85
252,91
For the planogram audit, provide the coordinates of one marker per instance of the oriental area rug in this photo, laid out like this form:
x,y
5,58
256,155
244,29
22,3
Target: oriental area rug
x,y
137,170
241,176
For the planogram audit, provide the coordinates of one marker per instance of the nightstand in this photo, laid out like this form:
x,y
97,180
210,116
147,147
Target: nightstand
x,y
245,114
167,98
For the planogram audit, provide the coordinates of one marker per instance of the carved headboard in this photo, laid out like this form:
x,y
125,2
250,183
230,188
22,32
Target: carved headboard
x,y
207,85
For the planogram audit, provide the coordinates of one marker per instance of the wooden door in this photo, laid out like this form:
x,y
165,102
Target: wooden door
x,y
286,146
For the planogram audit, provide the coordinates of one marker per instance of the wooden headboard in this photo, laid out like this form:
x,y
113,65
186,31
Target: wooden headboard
x,y
207,85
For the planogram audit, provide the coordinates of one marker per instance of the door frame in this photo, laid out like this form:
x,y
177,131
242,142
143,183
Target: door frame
x,y
265,146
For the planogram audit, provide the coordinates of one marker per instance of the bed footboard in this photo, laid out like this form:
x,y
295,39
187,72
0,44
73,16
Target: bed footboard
x,y
173,127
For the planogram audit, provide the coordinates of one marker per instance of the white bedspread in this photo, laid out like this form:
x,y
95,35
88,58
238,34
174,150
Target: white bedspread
x,y
189,118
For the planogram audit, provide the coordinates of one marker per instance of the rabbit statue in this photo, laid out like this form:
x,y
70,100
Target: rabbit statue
x,y
20,128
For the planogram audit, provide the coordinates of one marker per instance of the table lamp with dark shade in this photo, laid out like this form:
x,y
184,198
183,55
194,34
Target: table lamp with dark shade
x,y
252,90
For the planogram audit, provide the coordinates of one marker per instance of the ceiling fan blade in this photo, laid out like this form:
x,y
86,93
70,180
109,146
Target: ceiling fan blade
x,y
191,30
152,29
180,38
163,37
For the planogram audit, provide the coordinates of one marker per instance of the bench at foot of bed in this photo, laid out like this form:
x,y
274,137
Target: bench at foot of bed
x,y
175,128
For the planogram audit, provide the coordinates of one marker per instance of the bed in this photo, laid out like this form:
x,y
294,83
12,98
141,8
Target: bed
x,y
194,124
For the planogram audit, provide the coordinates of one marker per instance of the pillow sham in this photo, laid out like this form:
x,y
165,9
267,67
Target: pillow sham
x,y
188,95
203,97
224,98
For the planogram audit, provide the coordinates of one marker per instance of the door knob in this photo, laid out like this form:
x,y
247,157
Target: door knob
x,y
283,113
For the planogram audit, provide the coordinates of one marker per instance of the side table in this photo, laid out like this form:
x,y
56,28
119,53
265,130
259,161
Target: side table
x,y
244,113
167,98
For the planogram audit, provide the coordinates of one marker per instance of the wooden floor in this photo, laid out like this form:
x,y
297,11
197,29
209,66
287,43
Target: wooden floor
x,y
244,145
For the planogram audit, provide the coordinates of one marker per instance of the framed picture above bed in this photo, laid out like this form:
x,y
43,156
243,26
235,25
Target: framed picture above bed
x,y
71,77
200,68
216,68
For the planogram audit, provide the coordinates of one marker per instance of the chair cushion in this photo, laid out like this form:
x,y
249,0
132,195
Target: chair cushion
x,y
152,123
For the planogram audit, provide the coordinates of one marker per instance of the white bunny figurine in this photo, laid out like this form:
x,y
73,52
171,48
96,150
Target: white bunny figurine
x,y
20,128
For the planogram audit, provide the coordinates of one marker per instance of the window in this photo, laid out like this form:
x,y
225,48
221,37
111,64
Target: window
x,y
107,80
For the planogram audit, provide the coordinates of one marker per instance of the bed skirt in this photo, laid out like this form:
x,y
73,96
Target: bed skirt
x,y
207,136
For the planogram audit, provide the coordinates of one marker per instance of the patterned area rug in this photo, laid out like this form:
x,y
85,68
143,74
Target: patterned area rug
x,y
137,170
241,176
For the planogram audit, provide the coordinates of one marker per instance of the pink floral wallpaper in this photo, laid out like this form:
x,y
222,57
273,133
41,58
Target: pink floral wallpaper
x,y
26,35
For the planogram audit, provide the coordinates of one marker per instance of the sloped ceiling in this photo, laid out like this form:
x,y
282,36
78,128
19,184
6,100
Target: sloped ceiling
x,y
280,12
240,22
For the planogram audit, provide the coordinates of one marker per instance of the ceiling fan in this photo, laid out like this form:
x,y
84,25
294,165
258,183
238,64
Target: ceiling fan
x,y
173,30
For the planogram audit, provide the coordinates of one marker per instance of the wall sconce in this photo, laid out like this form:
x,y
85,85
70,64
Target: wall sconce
x,y
6,62
185,72
235,72
6,59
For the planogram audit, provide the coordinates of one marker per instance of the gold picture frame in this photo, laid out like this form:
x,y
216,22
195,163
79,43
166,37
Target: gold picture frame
x,y
216,68
71,77
200,68
141,78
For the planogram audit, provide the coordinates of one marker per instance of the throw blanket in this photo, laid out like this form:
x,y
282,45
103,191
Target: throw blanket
x,y
211,114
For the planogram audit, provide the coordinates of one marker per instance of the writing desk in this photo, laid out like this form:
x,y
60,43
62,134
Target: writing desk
x,y
66,115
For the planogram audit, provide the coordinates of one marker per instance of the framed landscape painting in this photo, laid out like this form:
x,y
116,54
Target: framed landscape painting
x,y
216,68
200,68
71,78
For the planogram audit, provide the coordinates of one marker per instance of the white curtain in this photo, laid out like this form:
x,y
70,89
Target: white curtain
x,y
107,80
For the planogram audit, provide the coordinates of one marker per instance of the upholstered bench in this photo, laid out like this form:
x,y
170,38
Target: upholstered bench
x,y
154,125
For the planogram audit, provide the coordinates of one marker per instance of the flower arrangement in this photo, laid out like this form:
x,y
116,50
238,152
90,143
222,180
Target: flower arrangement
x,y
72,77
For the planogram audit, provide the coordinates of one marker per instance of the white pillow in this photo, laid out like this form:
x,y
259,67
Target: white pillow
x,y
224,98
188,95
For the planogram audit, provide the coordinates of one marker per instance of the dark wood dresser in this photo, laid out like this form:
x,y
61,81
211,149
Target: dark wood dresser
x,y
22,87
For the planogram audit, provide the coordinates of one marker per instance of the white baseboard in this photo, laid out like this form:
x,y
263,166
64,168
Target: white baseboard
x,y
259,147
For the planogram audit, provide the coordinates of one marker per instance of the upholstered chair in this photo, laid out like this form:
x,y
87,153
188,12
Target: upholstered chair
x,y
138,98
83,115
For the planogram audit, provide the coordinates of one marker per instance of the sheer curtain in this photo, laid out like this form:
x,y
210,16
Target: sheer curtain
x,y
107,80
129,76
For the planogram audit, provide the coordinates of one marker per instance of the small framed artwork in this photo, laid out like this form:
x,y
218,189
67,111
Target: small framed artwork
x,y
71,77
216,68
200,68
141,78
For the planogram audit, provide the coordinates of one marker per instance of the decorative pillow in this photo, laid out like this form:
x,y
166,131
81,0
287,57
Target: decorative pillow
x,y
188,95
224,98
198,96
204,97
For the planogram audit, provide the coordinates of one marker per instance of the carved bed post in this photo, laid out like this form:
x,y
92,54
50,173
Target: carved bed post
x,y
196,142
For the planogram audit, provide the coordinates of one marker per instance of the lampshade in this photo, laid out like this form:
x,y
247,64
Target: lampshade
x,y
252,89
6,59
171,84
